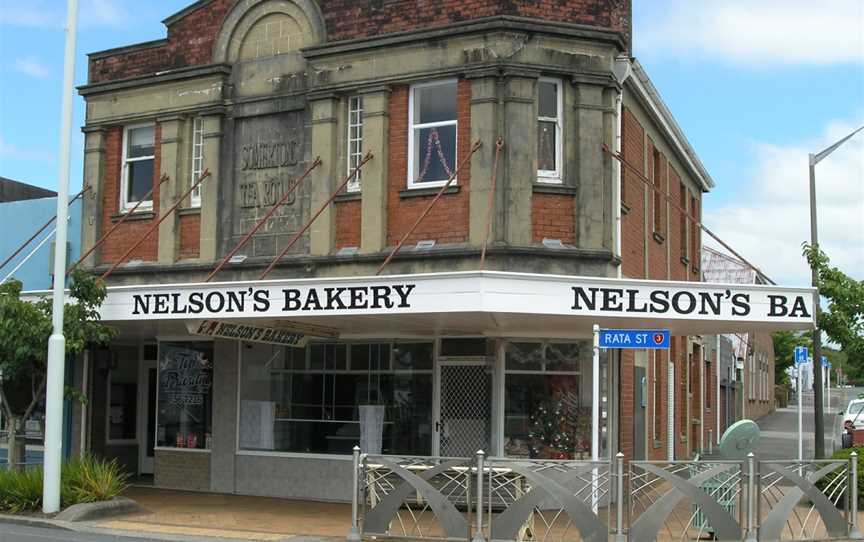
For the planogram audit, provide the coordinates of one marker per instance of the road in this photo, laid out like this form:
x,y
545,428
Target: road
x,y
779,430
21,533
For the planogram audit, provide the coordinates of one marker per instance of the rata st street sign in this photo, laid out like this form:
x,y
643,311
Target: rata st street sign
x,y
634,338
801,354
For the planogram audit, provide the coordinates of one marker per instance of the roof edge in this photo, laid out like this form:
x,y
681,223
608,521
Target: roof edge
x,y
173,18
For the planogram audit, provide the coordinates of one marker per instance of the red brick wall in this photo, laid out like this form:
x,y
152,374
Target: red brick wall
x,y
348,225
447,222
633,196
190,236
129,232
552,217
191,38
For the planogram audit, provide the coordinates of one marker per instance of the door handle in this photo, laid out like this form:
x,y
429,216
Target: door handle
x,y
437,427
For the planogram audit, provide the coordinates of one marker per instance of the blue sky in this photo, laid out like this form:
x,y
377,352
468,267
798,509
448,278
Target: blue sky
x,y
755,84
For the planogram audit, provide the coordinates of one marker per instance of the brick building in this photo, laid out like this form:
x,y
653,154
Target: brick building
x,y
436,355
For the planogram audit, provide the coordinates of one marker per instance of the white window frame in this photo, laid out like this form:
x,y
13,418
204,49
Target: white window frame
x,y
550,176
125,204
354,184
412,184
197,159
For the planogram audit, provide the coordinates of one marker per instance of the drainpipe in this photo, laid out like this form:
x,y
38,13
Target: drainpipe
x,y
717,410
621,71
702,399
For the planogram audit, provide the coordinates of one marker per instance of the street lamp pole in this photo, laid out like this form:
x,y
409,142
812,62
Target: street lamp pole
x,y
817,333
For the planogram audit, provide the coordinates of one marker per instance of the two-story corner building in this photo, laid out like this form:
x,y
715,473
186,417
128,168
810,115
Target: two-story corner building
x,y
262,385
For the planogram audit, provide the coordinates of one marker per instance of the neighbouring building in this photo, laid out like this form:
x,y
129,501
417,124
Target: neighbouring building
x,y
479,329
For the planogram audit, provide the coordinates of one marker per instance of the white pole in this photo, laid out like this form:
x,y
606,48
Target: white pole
x,y
57,342
702,402
595,417
800,414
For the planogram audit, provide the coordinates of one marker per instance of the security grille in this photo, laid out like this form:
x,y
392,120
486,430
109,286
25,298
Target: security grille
x,y
466,406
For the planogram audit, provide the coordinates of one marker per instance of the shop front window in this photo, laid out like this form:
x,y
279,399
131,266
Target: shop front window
x,y
185,396
548,400
327,398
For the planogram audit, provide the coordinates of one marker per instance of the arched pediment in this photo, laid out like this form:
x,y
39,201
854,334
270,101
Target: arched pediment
x,y
263,28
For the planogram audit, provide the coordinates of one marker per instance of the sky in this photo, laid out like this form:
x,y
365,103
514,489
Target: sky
x,y
756,85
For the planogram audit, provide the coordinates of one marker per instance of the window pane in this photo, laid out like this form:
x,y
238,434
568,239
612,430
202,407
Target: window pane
x,y
185,395
547,416
140,142
139,180
546,146
524,357
435,103
567,356
323,411
414,356
548,102
434,153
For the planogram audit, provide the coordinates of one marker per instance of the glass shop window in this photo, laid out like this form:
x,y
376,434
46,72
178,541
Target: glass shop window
x,y
139,152
185,404
548,400
327,398
549,115
432,133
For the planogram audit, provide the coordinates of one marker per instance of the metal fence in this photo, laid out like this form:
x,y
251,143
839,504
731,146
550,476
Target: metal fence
x,y
526,500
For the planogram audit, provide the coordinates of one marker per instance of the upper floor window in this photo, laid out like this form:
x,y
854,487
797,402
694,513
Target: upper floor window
x,y
197,159
549,115
432,127
139,152
355,140
658,191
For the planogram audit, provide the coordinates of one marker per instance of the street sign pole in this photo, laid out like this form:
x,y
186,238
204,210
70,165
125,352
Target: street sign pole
x,y
800,413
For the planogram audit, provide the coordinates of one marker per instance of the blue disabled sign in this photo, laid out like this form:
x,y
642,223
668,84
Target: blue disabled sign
x,y
634,338
801,354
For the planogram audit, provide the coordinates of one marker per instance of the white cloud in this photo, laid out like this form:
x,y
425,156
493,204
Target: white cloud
x,y
32,66
52,15
21,153
757,32
769,219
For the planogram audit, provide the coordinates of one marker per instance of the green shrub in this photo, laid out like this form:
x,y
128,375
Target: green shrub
x,y
90,479
21,491
845,453
83,479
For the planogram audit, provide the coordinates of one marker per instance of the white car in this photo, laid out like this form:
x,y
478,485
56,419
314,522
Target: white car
x,y
853,416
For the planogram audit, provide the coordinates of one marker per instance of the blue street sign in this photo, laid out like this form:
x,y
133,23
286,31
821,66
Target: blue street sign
x,y
825,362
634,338
801,354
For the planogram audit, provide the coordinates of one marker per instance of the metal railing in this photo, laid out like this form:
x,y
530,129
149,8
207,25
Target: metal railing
x,y
479,499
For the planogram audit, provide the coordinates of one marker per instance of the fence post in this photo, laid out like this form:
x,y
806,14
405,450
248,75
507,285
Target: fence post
x,y
854,533
354,534
751,498
619,494
478,529
710,442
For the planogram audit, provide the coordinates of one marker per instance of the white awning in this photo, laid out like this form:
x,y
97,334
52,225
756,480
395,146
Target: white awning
x,y
464,303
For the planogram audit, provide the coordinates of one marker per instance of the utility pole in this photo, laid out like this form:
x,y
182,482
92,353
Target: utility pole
x,y
57,342
818,408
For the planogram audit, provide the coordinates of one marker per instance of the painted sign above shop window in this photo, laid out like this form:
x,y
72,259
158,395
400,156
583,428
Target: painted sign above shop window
x,y
607,302
291,334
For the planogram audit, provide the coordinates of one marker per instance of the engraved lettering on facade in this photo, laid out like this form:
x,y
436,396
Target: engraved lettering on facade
x,y
268,155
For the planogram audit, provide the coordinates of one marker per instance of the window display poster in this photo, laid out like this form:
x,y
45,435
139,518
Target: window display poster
x,y
185,395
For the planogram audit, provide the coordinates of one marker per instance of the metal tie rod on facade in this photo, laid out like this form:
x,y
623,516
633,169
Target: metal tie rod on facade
x,y
152,228
499,145
474,148
671,202
40,230
366,158
130,212
270,213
